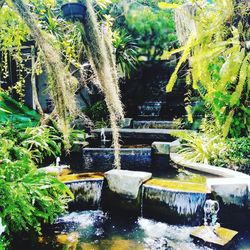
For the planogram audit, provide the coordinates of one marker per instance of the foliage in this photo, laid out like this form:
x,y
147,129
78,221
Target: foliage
x,y
199,147
16,113
210,147
98,113
28,197
11,40
41,142
152,28
237,156
33,143
77,135
126,51
146,24
219,58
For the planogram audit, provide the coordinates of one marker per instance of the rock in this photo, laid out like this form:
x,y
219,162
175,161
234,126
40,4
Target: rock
x,y
125,182
161,148
221,237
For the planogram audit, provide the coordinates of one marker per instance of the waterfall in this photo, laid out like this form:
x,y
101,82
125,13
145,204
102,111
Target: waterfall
x,y
87,192
174,206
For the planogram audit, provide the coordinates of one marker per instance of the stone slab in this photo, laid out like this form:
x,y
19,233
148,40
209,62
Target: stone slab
x,y
206,168
125,182
157,124
161,148
221,237
174,145
146,134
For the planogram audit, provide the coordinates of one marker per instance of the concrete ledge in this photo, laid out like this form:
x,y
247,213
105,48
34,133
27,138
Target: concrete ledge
x,y
139,134
206,168
174,145
126,123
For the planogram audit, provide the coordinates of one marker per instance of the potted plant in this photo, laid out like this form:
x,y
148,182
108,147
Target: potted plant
x,y
73,10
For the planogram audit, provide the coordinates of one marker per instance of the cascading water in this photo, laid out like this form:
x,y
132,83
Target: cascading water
x,y
87,193
173,205
150,109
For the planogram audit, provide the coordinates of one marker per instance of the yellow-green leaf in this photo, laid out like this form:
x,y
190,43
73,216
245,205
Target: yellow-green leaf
x,y
164,5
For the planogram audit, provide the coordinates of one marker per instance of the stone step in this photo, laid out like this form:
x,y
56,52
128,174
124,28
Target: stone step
x,y
150,135
158,124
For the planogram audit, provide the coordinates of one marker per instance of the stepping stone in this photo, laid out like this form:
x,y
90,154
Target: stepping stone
x,y
222,237
125,182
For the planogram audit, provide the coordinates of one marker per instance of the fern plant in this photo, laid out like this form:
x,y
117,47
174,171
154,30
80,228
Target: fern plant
x,y
219,60
28,197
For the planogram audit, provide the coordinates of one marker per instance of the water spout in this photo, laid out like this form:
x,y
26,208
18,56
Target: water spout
x,y
103,136
211,209
58,162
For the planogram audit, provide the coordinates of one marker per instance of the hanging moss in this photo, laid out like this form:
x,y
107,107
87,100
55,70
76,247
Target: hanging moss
x,y
62,85
100,54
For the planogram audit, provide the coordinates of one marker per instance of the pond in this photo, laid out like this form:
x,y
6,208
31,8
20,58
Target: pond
x,y
97,230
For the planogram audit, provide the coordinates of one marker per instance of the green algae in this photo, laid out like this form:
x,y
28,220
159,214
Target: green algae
x,y
179,185
81,176
222,236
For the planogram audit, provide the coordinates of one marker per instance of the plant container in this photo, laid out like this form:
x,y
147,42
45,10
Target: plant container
x,y
75,11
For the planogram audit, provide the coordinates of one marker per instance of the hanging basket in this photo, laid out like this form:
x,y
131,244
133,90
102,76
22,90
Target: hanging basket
x,y
74,11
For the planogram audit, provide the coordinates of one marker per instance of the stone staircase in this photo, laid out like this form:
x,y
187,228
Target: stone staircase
x,y
158,115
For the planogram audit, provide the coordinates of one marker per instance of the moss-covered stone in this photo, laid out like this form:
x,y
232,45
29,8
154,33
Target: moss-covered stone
x,y
178,185
81,176
221,237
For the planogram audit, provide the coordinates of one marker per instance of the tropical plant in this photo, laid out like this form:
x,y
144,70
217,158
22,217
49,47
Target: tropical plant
x,y
41,142
237,156
98,113
126,51
29,198
62,48
152,29
214,39
146,24
200,147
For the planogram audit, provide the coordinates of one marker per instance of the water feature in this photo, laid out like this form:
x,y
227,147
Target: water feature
x,y
101,159
97,230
